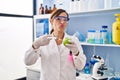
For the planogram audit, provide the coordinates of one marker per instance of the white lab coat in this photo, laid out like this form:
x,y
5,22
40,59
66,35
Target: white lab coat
x,y
54,61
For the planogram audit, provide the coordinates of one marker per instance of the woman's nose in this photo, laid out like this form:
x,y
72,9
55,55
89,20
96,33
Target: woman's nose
x,y
62,21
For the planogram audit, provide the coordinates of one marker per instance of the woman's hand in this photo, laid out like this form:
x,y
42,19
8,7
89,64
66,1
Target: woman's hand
x,y
42,41
73,47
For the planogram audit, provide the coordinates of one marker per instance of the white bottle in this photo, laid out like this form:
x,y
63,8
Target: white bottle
x,y
72,6
115,4
82,6
104,36
119,3
91,36
107,4
77,5
92,5
60,4
97,37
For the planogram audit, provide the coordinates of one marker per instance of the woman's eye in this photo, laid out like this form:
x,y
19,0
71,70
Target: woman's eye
x,y
66,19
58,19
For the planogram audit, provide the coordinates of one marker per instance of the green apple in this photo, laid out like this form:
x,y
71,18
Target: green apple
x,y
66,41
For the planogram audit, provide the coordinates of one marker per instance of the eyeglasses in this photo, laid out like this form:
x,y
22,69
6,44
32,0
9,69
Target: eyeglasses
x,y
62,18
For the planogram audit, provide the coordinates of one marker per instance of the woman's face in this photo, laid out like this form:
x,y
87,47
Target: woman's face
x,y
59,23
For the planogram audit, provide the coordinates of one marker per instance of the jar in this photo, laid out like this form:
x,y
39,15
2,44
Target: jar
x,y
104,36
97,37
91,36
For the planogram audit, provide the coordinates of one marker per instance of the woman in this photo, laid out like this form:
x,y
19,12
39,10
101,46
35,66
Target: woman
x,y
55,64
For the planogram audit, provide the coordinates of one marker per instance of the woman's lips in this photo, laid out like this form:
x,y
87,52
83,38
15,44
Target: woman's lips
x,y
62,26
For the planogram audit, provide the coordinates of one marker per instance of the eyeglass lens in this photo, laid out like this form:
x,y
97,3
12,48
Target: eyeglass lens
x,y
62,18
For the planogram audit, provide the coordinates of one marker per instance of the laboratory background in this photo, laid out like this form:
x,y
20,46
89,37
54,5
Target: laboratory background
x,y
96,23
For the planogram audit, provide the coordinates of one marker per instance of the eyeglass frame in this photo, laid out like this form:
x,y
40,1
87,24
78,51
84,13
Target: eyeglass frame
x,y
60,18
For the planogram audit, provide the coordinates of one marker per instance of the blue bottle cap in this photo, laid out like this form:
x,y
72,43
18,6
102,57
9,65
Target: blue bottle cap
x,y
87,64
91,31
104,26
103,30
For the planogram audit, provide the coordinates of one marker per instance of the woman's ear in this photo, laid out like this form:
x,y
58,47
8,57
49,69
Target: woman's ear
x,y
51,21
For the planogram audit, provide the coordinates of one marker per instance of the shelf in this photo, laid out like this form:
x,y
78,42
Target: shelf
x,y
106,45
42,16
86,13
96,12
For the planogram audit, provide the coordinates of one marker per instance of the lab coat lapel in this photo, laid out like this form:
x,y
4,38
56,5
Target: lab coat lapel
x,y
54,64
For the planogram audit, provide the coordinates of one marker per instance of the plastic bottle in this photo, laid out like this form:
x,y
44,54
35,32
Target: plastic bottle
x,y
104,36
72,6
92,7
87,69
97,37
107,4
91,36
60,4
116,30
116,4
80,36
82,5
77,5
109,36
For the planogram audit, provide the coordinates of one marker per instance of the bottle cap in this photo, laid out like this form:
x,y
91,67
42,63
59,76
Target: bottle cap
x,y
91,31
87,64
104,26
103,30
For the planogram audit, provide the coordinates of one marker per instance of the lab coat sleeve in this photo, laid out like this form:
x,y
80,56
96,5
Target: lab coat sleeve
x,y
31,56
80,60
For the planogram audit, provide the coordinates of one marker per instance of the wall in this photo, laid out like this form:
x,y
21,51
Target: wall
x,y
16,33
15,39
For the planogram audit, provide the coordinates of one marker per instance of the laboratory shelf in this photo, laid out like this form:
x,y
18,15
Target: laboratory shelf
x,y
40,16
106,45
95,12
